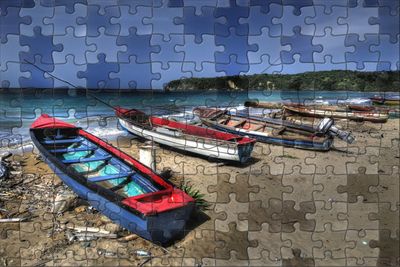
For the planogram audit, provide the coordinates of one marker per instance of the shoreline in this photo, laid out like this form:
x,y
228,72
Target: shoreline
x,y
82,91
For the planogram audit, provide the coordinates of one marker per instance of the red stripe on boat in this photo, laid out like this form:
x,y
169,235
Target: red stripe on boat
x,y
45,121
188,129
161,201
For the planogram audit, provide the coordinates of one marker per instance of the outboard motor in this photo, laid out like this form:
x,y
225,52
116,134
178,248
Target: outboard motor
x,y
326,126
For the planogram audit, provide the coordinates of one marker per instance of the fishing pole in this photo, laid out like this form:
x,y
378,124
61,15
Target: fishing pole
x,y
69,83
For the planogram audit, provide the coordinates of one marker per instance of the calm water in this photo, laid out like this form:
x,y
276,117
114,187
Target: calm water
x,y
20,108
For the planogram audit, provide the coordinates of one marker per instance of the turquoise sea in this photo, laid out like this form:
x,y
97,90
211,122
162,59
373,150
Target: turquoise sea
x,y
19,108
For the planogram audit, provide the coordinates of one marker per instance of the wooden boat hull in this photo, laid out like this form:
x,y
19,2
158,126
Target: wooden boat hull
x,y
160,224
386,101
297,139
356,116
207,147
224,152
301,144
160,228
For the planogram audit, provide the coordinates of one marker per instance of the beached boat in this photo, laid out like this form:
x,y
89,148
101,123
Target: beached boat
x,y
327,107
195,139
386,100
117,185
371,116
263,131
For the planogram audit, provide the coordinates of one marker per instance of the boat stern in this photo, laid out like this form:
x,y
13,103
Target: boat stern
x,y
171,225
244,151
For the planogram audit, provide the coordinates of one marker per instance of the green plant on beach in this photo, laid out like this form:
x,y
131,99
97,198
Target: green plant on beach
x,y
200,202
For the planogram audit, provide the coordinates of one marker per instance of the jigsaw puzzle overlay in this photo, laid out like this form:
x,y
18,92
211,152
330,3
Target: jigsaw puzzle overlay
x,y
284,207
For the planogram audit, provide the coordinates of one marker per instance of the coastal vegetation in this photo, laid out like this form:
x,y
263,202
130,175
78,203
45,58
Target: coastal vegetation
x,y
321,80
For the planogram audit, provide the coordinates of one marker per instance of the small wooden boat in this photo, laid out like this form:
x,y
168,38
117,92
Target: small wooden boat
x,y
263,131
195,139
371,116
342,107
388,100
117,185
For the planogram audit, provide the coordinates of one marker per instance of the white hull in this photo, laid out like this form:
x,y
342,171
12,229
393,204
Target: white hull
x,y
175,140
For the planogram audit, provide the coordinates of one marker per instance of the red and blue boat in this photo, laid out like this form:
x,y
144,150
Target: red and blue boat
x,y
117,185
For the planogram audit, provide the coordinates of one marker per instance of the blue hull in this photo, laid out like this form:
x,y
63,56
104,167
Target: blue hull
x,y
280,141
160,228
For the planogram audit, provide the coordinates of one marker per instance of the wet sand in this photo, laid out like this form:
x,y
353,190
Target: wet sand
x,y
286,206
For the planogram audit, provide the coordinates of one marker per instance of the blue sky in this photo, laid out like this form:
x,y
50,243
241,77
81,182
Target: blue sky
x,y
144,44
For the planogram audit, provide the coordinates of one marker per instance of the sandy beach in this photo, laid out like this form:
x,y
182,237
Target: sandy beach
x,y
285,207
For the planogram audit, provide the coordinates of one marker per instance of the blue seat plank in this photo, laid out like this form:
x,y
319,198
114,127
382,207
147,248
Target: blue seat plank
x,y
143,182
83,160
109,177
78,149
62,141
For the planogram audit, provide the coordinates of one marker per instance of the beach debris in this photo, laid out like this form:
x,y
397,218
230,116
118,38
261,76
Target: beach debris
x,y
106,253
166,173
80,209
8,220
142,253
83,233
128,238
5,155
91,210
3,170
63,201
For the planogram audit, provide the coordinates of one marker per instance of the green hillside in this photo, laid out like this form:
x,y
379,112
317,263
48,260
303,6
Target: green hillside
x,y
322,80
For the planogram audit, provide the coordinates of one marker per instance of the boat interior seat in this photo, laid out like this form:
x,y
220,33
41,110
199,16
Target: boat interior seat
x,y
279,130
77,149
63,141
259,127
91,159
223,120
110,177
239,123
120,185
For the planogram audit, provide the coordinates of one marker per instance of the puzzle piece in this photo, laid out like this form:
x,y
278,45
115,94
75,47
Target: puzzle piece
x,y
224,187
96,19
97,74
361,253
197,25
387,21
231,16
162,21
359,55
297,43
74,49
290,20
11,21
60,23
36,15
364,14
39,45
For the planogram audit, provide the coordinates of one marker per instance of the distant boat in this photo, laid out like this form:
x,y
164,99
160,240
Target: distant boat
x,y
334,112
263,131
183,136
386,100
117,185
